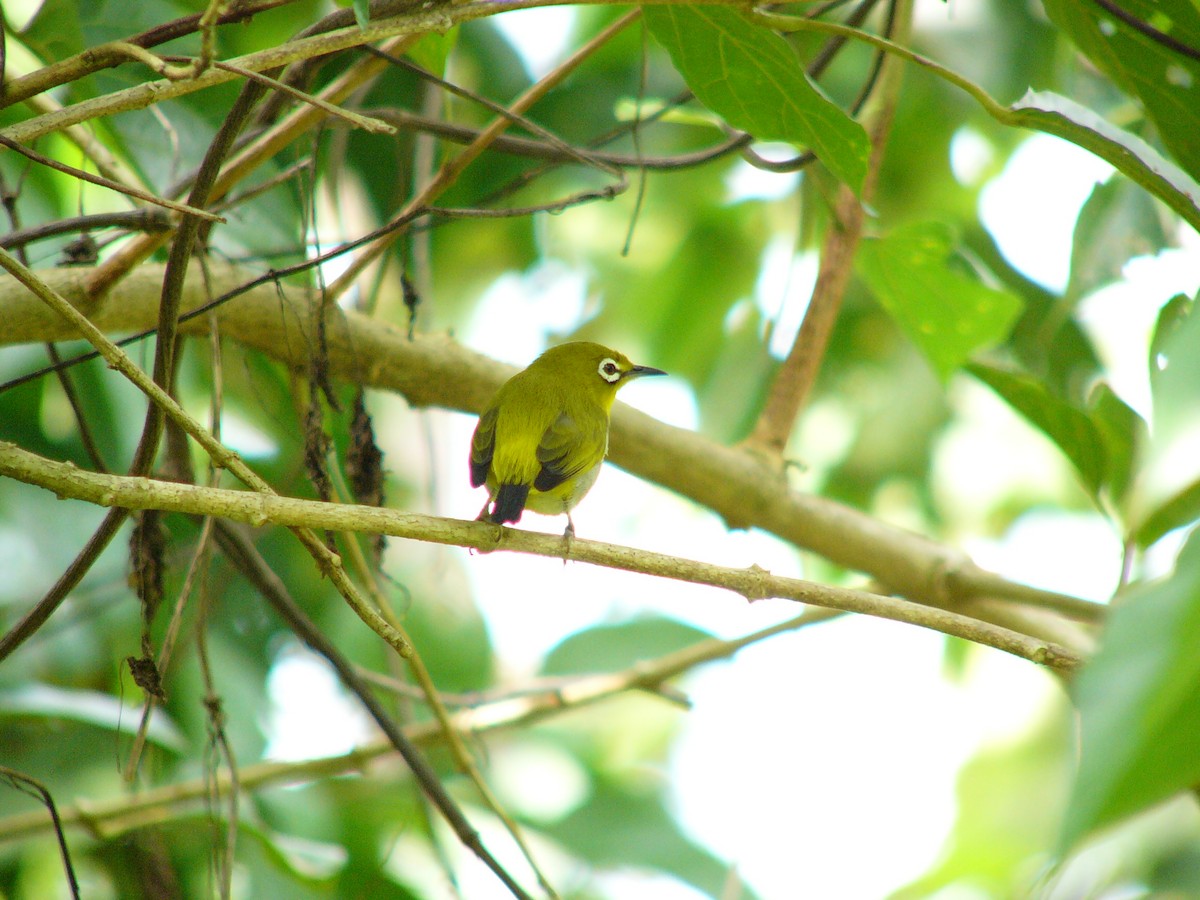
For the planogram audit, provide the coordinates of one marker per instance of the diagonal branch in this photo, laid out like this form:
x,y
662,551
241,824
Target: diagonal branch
x,y
432,370
132,191
753,583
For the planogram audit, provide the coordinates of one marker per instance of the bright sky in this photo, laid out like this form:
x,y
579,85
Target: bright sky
x,y
814,745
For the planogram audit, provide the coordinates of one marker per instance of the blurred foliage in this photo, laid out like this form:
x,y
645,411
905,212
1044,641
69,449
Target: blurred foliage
x,y
935,305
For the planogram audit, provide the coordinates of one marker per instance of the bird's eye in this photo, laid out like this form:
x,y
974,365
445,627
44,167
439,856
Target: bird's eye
x,y
609,371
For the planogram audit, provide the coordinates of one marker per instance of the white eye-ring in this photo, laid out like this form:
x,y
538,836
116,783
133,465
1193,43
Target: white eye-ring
x,y
609,371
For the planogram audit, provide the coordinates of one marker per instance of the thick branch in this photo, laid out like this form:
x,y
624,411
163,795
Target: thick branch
x,y
435,371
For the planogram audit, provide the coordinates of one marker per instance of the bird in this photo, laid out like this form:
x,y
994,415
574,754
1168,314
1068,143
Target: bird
x,y
539,443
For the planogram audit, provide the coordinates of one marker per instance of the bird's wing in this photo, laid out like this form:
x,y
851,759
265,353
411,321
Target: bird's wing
x,y
567,449
483,446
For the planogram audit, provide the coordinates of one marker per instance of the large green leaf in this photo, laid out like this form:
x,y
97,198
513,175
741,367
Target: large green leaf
x,y
1165,80
1070,428
1124,434
623,828
946,313
753,78
1139,704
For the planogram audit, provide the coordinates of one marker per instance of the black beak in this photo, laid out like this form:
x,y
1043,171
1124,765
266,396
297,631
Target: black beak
x,y
639,371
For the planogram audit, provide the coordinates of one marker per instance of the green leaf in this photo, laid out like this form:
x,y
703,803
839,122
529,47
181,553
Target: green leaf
x,y
55,32
1181,509
1010,798
751,76
610,648
88,707
1176,383
947,314
1165,81
1117,222
1139,704
623,828
1124,434
433,49
454,642
1069,428
1170,318
1054,114
1168,485
362,12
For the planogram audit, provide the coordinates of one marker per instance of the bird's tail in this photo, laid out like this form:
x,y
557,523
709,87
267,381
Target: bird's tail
x,y
509,503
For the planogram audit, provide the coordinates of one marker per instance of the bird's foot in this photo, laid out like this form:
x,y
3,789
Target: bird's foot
x,y
568,538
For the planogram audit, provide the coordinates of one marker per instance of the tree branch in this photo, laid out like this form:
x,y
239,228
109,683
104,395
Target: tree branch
x,y
108,818
432,370
259,509
796,377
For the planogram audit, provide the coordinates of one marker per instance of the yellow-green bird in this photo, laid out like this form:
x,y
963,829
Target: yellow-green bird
x,y
540,442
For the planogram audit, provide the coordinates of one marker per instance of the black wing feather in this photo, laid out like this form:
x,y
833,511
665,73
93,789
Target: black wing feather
x,y
483,446
562,441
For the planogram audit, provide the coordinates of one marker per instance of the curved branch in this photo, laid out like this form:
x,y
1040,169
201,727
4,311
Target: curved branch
x,y
1048,114
536,149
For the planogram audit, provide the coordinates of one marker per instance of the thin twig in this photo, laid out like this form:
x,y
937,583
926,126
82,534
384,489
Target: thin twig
x,y
136,220
246,558
366,123
1145,28
568,150
535,149
95,59
55,821
100,180
452,168
114,816
413,23
264,146
420,673
194,571
212,698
